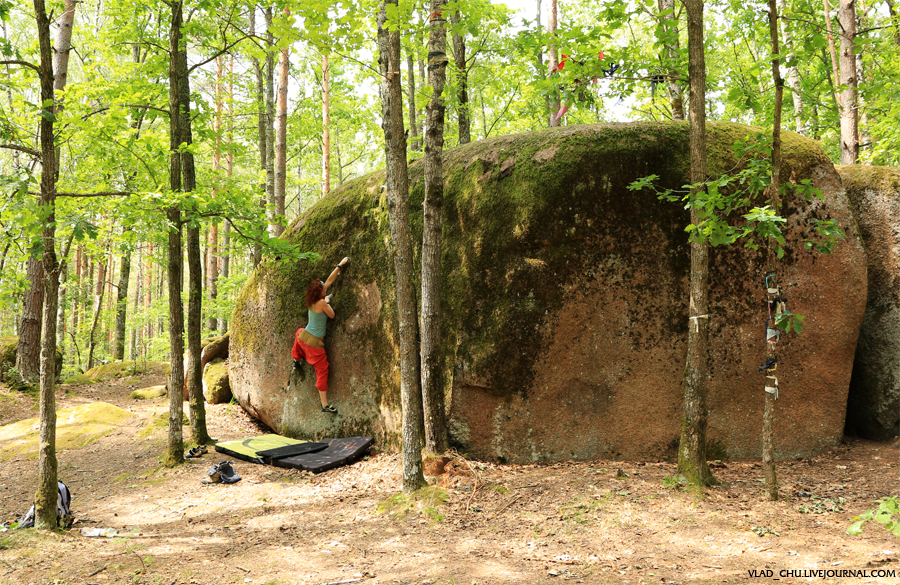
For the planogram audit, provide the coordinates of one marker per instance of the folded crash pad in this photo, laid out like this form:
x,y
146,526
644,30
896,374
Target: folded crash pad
x,y
249,449
291,450
339,452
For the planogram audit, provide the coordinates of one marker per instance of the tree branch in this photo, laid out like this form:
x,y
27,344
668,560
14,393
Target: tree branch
x,y
217,54
24,149
97,194
22,63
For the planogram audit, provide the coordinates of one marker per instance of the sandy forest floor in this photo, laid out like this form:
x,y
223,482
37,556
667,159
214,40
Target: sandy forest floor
x,y
568,522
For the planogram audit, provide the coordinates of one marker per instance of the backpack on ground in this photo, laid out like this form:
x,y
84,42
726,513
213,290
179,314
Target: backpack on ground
x,y
64,517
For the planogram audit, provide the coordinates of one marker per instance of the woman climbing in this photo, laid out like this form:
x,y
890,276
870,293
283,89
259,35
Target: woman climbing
x,y
309,342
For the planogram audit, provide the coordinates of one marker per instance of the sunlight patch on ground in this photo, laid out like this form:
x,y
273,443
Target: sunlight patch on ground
x,y
76,427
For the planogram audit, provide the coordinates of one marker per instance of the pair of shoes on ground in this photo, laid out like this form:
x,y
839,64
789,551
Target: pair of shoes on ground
x,y
197,451
221,473
330,408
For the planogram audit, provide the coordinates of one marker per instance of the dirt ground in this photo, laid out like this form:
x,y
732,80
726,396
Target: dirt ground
x,y
582,522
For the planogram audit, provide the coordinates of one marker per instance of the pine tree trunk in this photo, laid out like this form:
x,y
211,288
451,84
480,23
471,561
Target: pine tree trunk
x,y
229,170
835,65
401,248
676,99
284,65
432,373
148,288
849,97
136,338
462,94
692,464
768,432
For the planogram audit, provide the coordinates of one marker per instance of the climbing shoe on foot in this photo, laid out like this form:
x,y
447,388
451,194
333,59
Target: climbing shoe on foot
x,y
330,408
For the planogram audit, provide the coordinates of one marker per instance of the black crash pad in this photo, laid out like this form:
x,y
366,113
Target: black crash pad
x,y
292,450
339,452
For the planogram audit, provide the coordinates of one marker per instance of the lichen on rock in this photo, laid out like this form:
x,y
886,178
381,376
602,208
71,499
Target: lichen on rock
x,y
564,298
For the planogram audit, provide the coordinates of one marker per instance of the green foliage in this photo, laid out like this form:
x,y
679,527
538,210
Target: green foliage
x,y
887,513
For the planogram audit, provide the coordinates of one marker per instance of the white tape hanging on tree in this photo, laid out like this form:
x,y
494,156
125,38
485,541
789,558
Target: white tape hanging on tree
x,y
697,323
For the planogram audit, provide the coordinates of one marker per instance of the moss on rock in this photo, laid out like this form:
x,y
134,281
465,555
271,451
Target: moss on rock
x,y
563,295
216,388
149,393
105,372
8,350
76,428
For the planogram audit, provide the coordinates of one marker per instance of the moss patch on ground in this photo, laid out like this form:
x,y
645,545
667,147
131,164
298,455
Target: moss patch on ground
x,y
119,370
427,500
76,427
149,392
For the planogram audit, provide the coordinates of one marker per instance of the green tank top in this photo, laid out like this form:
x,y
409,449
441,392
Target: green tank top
x,y
317,323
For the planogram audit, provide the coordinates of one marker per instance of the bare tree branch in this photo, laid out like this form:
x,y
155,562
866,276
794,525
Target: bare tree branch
x,y
24,149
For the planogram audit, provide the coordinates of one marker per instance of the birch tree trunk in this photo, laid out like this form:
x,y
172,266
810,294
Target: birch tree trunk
x,y
98,307
274,220
849,97
432,369
401,249
414,142
793,78
212,242
692,464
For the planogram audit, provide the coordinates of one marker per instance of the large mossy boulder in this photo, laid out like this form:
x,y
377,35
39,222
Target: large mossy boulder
x,y
873,407
8,349
565,304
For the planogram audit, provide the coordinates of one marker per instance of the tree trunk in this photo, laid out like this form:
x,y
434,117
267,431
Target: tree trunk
x,y
148,288
229,170
415,143
401,248
462,93
98,307
122,304
212,244
835,67
284,65
175,445
136,331
676,99
326,127
553,64
793,79
692,464
199,434
849,97
261,124
274,220
768,432
895,20
45,497
432,374
28,350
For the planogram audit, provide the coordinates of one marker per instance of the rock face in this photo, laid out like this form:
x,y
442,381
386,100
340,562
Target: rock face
x,y
873,407
8,350
565,305
216,388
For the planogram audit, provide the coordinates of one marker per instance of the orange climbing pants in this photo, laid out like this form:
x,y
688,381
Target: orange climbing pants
x,y
314,355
